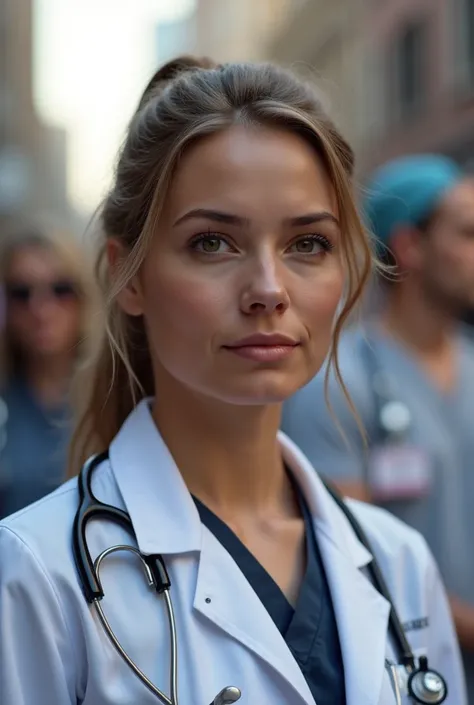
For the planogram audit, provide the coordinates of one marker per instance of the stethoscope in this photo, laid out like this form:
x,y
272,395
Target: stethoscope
x,y
424,685
155,572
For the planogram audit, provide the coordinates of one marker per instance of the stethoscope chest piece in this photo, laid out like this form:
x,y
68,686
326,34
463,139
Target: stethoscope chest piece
x,y
426,686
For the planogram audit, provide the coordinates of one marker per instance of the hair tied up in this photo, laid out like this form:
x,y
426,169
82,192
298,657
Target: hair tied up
x,y
168,72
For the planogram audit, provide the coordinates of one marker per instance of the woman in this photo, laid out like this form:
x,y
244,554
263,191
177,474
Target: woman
x,y
233,254
47,297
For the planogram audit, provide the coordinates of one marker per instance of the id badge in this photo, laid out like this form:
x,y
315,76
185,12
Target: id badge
x,y
399,471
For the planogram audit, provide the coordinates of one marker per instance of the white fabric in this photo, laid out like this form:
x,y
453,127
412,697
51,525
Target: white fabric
x,y
54,652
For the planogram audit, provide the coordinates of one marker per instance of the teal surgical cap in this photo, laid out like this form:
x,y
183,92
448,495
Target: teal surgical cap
x,y
406,191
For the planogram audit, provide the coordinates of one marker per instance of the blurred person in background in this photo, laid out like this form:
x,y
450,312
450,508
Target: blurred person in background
x,y
47,299
409,371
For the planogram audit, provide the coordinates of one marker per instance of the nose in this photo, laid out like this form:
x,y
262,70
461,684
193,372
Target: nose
x,y
42,304
265,292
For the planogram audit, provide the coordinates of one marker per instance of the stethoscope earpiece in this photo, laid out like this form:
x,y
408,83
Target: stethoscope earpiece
x,y
426,686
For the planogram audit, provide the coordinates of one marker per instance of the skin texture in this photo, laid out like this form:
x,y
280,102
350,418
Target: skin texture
x,y
259,271
196,302
447,263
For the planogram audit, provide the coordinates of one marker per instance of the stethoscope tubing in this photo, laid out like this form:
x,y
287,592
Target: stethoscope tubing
x,y
173,699
156,574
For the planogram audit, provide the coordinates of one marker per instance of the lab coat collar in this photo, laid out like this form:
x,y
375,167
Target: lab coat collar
x,y
166,521
163,512
327,516
362,613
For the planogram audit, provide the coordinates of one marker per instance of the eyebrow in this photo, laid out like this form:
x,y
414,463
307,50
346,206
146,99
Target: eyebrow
x,y
312,218
231,219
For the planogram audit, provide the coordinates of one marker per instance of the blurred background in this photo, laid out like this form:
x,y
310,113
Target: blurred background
x,y
398,75
398,78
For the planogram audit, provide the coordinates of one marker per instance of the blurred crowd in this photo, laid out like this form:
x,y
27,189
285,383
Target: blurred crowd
x,y
48,311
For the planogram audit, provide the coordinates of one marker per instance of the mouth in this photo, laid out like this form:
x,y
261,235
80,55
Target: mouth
x,y
264,348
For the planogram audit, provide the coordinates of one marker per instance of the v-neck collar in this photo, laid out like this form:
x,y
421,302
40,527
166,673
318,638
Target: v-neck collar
x,y
166,521
397,348
288,619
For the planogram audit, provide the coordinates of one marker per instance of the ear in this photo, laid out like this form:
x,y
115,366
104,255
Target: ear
x,y
407,246
130,297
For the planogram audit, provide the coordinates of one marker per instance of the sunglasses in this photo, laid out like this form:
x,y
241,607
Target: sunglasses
x,y
22,293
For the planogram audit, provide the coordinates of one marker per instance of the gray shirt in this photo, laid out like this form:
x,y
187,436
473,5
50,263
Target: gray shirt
x,y
441,424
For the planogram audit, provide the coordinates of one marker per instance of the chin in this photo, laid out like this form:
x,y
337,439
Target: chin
x,y
261,392
46,350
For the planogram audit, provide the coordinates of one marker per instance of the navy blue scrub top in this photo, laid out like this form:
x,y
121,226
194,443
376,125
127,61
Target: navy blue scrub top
x,y
310,629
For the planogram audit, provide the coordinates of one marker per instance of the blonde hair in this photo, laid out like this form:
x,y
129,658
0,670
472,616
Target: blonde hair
x,y
186,100
66,247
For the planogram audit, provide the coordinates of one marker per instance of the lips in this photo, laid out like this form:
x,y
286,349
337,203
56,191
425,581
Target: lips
x,y
264,348
264,340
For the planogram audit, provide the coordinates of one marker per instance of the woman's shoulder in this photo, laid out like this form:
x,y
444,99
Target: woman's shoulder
x,y
38,537
43,530
39,520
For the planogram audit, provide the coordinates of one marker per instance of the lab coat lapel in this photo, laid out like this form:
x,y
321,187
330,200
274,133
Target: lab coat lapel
x,y
361,611
224,596
362,619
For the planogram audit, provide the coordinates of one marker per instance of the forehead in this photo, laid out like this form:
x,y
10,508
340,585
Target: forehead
x,y
458,203
33,261
245,167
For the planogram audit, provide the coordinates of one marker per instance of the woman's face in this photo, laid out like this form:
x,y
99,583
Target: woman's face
x,y
43,312
240,288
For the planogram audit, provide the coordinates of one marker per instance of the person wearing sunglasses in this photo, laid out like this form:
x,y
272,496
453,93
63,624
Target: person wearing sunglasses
x,y
46,299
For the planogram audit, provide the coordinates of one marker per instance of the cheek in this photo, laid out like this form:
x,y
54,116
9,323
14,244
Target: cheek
x,y
319,301
447,254
464,257
184,309
72,318
18,322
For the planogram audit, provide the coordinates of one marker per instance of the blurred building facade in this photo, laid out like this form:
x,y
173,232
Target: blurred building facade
x,y
32,155
227,30
175,37
424,54
397,75
324,40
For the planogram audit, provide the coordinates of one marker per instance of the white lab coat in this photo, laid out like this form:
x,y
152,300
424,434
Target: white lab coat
x,y
54,652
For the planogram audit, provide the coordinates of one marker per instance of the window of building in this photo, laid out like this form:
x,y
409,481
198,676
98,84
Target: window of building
x,y
464,42
408,85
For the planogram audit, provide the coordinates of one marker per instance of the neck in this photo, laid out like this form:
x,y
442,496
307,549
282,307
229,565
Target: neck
x,y
230,459
49,377
415,320
425,330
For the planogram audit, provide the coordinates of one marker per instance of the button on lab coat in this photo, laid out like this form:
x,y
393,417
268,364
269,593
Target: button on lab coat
x,y
53,650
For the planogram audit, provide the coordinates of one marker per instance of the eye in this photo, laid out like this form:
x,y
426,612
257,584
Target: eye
x,y
210,244
314,244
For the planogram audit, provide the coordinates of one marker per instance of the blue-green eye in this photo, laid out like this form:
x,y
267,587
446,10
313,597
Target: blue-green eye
x,y
311,245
